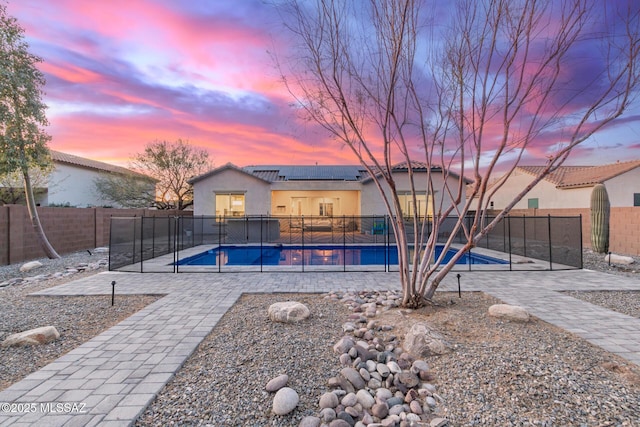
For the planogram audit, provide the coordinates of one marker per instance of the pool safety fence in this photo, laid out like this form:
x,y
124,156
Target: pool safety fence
x,y
157,244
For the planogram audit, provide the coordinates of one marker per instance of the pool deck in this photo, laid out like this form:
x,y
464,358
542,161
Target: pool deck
x,y
112,378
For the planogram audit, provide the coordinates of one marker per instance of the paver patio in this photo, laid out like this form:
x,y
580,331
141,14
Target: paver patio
x,y
112,378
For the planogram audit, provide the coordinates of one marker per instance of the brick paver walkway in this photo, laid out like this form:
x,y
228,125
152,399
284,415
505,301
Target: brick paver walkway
x,y
112,378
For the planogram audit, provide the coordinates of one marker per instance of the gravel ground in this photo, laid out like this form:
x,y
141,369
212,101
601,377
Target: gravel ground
x,y
77,319
625,302
500,373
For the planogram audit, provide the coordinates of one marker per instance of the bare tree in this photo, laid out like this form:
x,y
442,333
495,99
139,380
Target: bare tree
x,y
23,141
172,164
461,91
126,190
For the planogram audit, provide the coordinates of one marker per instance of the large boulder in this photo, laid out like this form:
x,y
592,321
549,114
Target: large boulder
x,y
288,312
618,259
423,340
509,312
35,336
31,265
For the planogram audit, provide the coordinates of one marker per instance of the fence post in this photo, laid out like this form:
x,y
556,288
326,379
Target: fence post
x,y
550,248
509,239
524,233
260,243
344,243
110,240
171,237
141,243
387,223
219,243
581,248
302,260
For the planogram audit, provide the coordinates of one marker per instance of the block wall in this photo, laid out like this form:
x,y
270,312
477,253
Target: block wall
x,y
68,229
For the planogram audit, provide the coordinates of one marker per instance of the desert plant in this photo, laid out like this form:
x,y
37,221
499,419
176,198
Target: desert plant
x,y
600,219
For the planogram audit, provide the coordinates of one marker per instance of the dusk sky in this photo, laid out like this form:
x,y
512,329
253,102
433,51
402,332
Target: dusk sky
x,y
122,73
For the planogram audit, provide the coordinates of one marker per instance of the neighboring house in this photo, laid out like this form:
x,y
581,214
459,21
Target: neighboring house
x,y
304,190
73,178
571,186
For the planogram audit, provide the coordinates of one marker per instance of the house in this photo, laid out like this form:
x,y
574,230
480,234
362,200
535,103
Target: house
x,y
306,190
72,181
571,186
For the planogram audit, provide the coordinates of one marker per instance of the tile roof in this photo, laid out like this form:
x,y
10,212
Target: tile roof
x,y
274,173
582,176
60,157
305,173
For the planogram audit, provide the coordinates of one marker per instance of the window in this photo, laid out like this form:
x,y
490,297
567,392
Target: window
x,y
229,204
532,203
326,209
636,199
421,207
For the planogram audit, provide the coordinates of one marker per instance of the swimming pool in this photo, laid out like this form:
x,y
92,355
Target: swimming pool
x,y
316,255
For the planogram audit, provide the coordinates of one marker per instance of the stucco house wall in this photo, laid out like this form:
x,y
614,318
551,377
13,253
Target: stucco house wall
x,y
549,197
75,186
620,189
257,192
274,192
373,204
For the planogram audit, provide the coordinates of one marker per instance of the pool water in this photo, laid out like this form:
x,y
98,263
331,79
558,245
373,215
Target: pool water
x,y
316,255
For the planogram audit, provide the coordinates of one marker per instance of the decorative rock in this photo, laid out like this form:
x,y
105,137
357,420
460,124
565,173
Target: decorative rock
x,y
277,383
384,394
422,341
407,379
288,312
338,422
394,401
394,368
35,336
353,377
418,366
365,399
380,410
415,406
345,359
328,400
344,415
509,312
328,415
364,374
439,422
390,421
349,327
383,370
349,400
616,259
285,401
430,401
32,265
310,422
344,345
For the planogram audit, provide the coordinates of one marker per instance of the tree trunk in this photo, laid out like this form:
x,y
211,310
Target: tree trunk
x,y
35,219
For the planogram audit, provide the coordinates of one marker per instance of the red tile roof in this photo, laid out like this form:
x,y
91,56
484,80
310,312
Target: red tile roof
x,y
582,176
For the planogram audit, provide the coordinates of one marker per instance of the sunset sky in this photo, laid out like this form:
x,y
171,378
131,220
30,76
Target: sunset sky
x,y
122,73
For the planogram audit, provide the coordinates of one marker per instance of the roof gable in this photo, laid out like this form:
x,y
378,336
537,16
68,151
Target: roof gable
x,y
228,166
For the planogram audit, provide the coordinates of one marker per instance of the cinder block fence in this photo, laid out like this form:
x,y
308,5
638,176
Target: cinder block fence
x,y
68,229
624,226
